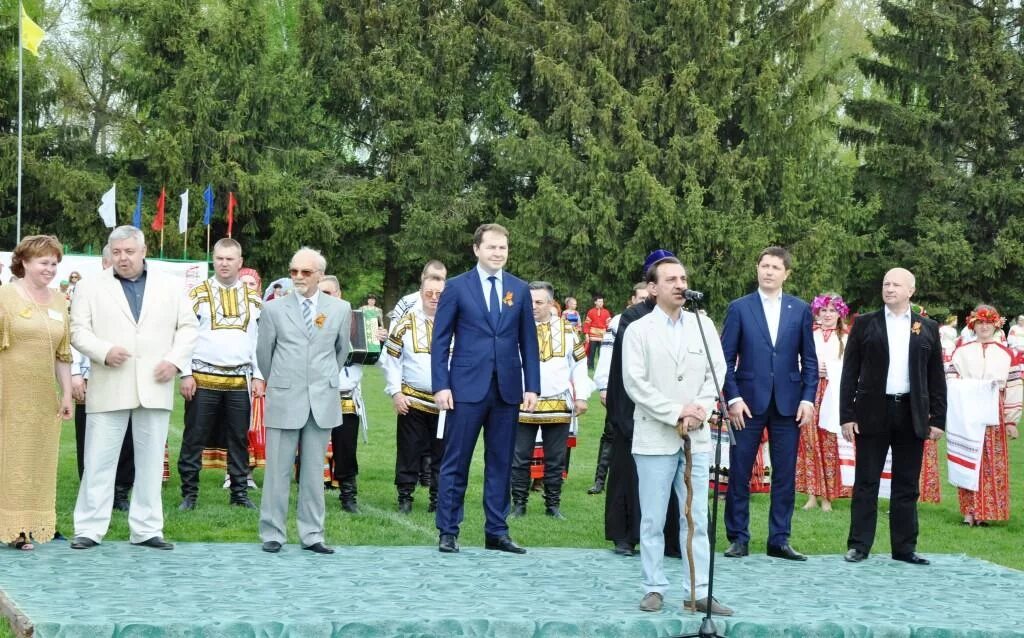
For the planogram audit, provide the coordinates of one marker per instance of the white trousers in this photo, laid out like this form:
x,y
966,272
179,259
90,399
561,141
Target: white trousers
x,y
657,474
104,432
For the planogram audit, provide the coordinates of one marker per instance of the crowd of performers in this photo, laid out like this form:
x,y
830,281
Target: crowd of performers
x,y
210,340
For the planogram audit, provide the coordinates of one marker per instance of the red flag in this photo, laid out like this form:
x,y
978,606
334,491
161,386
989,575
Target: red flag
x,y
232,202
158,220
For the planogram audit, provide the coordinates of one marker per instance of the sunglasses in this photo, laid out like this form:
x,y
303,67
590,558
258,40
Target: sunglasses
x,y
305,272
432,294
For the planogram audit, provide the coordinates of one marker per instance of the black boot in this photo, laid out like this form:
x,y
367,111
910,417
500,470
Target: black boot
x,y
405,491
552,500
518,509
425,471
432,507
348,496
121,502
604,458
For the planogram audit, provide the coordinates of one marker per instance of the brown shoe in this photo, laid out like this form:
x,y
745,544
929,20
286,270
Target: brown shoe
x,y
652,601
717,608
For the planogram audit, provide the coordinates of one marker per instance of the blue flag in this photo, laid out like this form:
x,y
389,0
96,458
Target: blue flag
x,y
137,217
208,198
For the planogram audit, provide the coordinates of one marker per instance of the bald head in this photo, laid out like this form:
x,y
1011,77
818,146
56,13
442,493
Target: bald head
x,y
898,287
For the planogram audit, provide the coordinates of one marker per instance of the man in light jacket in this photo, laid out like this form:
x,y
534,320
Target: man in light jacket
x,y
665,372
137,327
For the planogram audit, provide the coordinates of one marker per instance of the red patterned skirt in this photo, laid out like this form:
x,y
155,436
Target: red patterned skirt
x,y
992,500
817,461
930,486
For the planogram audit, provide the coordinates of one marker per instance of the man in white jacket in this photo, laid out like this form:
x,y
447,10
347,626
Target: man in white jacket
x,y
137,327
666,374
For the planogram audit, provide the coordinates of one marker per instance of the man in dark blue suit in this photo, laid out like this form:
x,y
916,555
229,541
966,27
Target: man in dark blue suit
x,y
770,380
494,366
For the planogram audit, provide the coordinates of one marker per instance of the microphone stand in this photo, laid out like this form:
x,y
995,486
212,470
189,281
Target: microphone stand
x,y
707,626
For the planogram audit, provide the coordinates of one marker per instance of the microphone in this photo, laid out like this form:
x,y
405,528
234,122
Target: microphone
x,y
693,295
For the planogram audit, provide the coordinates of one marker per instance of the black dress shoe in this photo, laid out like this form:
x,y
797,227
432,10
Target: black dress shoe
x,y
596,488
157,542
623,548
855,556
448,544
785,551
318,548
81,542
244,503
187,504
737,550
272,547
121,505
503,544
911,558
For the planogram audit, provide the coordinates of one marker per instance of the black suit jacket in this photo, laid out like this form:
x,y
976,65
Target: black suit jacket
x,y
619,405
866,365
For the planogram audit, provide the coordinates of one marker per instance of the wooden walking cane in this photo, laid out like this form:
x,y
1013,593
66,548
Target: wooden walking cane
x,y
688,481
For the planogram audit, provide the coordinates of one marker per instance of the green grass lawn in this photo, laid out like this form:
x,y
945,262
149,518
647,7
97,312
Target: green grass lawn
x,y
814,532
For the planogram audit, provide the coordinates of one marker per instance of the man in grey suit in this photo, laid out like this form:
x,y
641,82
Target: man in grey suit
x,y
303,343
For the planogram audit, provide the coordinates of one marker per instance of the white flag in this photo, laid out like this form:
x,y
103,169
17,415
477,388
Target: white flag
x,y
106,209
183,216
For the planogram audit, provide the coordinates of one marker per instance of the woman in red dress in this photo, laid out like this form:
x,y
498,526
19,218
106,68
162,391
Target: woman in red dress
x,y
817,463
987,358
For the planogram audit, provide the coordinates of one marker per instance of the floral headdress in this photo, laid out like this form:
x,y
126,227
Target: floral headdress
x,y
984,314
822,301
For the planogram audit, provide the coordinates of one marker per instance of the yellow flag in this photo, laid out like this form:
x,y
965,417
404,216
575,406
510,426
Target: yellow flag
x,y
31,34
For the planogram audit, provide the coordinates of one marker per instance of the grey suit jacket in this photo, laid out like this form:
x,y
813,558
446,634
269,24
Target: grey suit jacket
x,y
301,371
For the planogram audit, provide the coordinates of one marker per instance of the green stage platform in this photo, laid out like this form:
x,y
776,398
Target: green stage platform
x,y
229,590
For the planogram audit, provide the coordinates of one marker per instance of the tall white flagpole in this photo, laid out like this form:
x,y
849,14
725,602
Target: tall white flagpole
x,y
21,48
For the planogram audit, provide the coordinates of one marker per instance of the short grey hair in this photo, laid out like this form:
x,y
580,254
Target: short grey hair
x,y
321,261
122,233
106,255
332,279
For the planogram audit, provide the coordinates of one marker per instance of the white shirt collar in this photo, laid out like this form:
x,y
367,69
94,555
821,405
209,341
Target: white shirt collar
x,y
765,298
662,317
217,283
315,299
889,314
484,275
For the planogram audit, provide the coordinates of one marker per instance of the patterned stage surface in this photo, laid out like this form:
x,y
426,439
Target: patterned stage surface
x,y
229,590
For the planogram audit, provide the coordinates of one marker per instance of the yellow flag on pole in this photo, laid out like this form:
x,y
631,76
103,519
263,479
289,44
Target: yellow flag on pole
x,y
31,34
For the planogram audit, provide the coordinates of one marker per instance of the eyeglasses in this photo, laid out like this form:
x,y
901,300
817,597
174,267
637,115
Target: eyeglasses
x,y
305,272
432,294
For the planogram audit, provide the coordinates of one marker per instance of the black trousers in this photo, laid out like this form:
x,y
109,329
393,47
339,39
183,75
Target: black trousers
x,y
125,477
417,437
907,452
622,501
344,445
554,437
228,410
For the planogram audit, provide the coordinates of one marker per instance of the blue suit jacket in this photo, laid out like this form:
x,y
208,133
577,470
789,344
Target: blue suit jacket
x,y
480,349
756,370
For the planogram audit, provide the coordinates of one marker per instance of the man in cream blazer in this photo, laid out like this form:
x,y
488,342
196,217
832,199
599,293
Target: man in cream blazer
x,y
302,345
137,327
665,372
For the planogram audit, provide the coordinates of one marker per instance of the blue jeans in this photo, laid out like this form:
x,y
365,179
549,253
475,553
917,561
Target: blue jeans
x,y
657,474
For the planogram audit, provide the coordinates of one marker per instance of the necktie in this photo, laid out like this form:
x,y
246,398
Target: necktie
x,y
495,309
307,314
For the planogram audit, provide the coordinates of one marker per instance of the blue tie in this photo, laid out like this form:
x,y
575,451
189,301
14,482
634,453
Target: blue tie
x,y
495,309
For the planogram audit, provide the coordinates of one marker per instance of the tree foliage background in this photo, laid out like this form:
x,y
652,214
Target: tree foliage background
x,y
859,135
